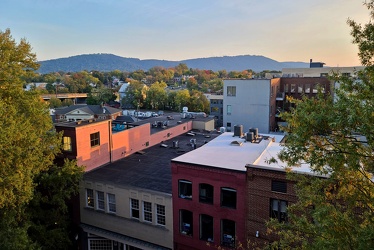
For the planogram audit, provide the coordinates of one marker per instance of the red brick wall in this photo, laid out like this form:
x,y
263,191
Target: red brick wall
x,y
258,201
217,178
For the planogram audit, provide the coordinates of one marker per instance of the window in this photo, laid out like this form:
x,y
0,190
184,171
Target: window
x,y
185,218
134,208
90,198
67,143
278,209
307,88
300,89
279,186
100,200
160,213
185,189
229,109
231,90
95,139
228,197
129,247
96,244
293,88
315,89
228,233
286,88
206,227
147,211
214,109
111,203
206,193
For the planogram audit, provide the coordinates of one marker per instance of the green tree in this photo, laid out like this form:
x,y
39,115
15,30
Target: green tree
x,y
100,96
198,102
156,95
28,148
54,102
135,94
336,138
182,99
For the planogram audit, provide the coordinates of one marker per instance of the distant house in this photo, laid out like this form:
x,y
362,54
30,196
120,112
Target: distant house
x,y
86,112
37,85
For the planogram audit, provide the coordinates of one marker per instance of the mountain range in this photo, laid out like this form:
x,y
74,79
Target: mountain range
x,y
110,62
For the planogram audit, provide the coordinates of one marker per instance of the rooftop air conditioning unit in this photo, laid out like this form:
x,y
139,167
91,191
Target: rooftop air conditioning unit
x,y
238,130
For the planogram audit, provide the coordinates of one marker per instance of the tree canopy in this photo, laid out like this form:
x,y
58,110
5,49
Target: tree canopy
x,y
28,146
335,136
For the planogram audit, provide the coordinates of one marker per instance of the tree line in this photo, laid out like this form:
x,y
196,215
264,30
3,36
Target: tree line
x,y
157,88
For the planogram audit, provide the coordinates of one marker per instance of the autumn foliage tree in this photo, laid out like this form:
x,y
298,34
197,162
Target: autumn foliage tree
x,y
335,136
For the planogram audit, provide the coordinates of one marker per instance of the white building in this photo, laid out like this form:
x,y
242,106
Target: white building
x,y
250,103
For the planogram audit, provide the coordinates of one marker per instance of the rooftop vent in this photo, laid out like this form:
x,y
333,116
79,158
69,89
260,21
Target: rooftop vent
x,y
236,143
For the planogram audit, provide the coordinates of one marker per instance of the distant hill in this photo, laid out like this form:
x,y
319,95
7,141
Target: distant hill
x,y
109,62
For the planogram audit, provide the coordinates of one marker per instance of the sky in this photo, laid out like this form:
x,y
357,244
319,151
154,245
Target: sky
x,y
283,30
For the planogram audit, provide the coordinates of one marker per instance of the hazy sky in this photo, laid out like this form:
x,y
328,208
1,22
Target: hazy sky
x,y
283,30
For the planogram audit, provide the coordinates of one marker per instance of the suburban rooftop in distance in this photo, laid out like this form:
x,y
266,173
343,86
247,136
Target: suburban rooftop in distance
x,y
150,168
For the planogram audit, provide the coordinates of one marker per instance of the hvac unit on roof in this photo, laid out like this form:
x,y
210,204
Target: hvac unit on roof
x,y
255,131
222,130
238,130
250,137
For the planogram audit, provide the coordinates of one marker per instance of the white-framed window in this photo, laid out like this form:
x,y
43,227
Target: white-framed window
x,y
147,211
111,203
90,201
134,208
100,200
100,244
160,213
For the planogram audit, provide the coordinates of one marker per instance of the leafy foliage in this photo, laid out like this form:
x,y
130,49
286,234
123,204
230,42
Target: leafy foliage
x,y
28,146
335,136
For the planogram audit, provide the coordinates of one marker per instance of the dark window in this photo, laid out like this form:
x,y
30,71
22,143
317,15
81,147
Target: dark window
x,y
228,197
185,218
90,198
279,186
134,208
206,193
206,227
95,139
278,209
228,233
185,189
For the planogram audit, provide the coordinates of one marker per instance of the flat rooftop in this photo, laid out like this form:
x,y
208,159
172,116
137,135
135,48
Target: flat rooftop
x,y
235,153
150,168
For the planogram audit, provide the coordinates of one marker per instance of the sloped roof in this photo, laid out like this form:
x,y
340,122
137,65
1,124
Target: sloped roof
x,y
89,109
